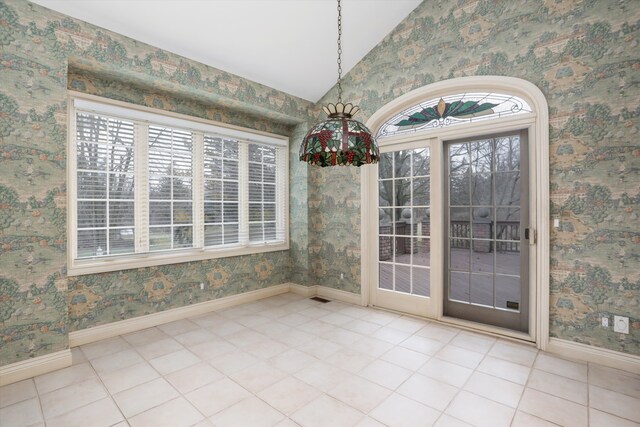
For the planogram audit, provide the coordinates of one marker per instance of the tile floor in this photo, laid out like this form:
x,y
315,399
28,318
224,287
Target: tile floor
x,y
291,361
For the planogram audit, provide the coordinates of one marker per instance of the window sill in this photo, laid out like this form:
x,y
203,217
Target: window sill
x,y
92,266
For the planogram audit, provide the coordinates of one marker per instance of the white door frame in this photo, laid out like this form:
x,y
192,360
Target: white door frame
x,y
537,124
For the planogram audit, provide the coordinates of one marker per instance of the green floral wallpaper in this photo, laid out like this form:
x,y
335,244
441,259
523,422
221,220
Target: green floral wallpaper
x,y
583,54
42,54
585,57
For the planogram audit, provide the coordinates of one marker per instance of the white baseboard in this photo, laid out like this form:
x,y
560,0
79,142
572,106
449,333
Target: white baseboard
x,y
110,330
32,367
325,292
337,294
588,353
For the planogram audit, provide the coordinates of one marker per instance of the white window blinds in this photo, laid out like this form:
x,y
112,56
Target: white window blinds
x,y
147,184
105,186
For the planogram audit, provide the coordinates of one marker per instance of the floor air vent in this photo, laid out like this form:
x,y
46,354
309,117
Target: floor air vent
x,y
322,300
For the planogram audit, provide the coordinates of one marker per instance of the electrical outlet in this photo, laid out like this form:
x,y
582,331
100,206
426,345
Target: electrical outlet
x,y
605,322
341,276
202,286
556,222
621,324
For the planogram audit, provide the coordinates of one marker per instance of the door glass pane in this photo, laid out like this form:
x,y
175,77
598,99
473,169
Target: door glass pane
x,y
482,289
507,189
508,292
404,221
459,286
482,256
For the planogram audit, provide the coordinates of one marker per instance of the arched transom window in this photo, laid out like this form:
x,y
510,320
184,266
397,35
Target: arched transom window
x,y
452,110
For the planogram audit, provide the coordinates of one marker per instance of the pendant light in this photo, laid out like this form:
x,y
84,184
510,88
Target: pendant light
x,y
339,140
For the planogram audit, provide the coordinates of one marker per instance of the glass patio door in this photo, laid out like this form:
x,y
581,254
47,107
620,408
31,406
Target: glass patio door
x,y
404,243
486,217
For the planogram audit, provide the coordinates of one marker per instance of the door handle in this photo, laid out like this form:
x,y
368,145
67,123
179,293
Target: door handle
x,y
530,235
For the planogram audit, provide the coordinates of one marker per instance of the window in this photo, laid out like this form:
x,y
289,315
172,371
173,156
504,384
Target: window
x,y
150,189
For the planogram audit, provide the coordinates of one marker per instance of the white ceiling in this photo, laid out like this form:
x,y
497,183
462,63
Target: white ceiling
x,y
289,45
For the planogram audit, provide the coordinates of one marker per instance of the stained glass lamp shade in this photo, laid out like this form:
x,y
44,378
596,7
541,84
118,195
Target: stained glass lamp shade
x,y
339,140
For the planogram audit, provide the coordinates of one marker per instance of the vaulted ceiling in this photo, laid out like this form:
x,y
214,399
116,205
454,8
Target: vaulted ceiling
x,y
289,45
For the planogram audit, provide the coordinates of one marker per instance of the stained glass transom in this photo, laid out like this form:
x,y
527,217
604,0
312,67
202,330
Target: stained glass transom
x,y
452,110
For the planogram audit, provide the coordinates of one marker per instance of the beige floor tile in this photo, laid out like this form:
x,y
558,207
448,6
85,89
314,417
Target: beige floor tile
x,y
522,419
174,361
408,359
292,360
219,395
342,337
566,388
257,377
475,342
252,320
158,348
246,337
385,374
145,336
104,347
195,336
479,411
178,327
326,411
361,326
131,376
513,352
369,422
355,312
289,395
407,324
17,392
558,366
144,396
233,361
349,360
71,397
64,377
294,319
322,375
77,356
22,414
505,370
553,409
446,372
494,388
371,346
315,327
320,348
618,404
175,413
296,338
207,320
382,318
438,332
602,419
226,328
400,411
102,413
116,361
615,380
336,319
251,412
212,349
448,421
266,349
424,345
428,391
390,335
460,356
360,394
193,377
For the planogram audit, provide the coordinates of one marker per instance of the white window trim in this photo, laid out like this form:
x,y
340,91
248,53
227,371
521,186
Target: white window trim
x,y
76,267
537,124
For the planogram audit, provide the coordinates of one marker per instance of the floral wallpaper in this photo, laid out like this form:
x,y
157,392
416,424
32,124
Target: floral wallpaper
x,y
42,54
583,54
585,57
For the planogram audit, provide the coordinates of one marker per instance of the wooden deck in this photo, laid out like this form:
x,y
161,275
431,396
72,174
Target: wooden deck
x,y
477,287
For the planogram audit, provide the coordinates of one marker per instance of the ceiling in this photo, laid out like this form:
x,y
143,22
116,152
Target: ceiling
x,y
289,45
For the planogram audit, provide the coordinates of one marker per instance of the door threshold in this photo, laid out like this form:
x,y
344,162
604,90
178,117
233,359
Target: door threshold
x,y
487,329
